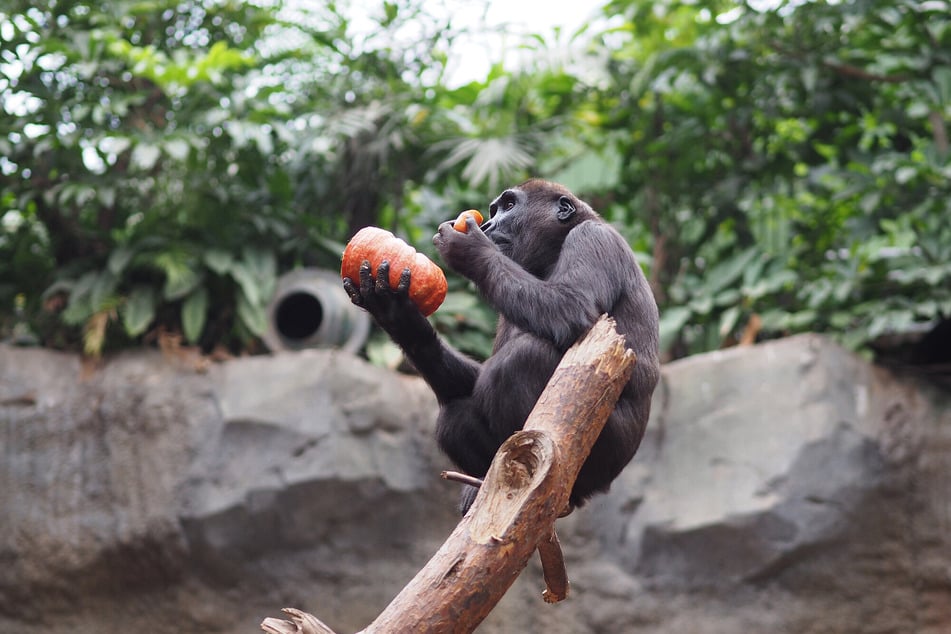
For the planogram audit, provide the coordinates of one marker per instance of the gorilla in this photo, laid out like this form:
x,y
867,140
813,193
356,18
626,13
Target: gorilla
x,y
550,266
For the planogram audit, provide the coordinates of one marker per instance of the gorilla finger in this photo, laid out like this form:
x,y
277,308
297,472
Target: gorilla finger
x,y
441,232
352,291
403,286
366,275
383,276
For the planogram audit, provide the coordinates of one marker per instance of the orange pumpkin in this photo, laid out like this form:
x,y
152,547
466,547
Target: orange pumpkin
x,y
427,286
460,223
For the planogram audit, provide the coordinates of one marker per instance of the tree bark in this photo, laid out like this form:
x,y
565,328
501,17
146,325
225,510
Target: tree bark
x,y
300,623
524,492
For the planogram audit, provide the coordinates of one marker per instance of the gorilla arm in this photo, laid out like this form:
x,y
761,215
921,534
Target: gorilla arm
x,y
585,281
450,374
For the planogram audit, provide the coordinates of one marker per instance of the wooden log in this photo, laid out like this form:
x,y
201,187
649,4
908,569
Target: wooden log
x,y
525,490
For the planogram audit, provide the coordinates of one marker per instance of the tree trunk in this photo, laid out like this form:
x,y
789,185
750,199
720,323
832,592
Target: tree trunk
x,y
525,490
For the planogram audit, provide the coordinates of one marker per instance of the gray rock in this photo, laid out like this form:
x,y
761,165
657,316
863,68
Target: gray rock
x,y
788,487
792,469
146,492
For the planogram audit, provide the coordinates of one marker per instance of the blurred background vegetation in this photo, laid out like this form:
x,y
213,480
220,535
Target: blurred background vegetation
x,y
779,167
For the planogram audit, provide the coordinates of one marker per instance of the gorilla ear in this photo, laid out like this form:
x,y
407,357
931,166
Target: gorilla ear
x,y
566,209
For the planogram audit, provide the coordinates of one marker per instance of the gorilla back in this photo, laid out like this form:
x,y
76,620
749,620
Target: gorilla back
x,y
550,265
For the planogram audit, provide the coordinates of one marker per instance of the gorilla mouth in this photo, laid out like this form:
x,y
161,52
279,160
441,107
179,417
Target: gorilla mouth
x,y
500,240
504,245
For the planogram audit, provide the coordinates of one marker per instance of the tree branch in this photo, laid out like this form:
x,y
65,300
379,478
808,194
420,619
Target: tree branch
x,y
455,476
525,490
846,70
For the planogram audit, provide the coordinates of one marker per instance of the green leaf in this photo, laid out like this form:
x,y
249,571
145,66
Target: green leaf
x,y
252,315
391,9
672,320
218,261
774,320
942,79
102,291
802,320
139,310
76,313
119,259
727,272
384,353
181,284
591,171
701,305
905,175
727,297
78,308
261,263
250,289
770,284
256,274
180,275
194,314
728,320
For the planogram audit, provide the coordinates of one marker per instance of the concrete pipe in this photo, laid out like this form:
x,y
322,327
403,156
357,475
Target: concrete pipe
x,y
310,309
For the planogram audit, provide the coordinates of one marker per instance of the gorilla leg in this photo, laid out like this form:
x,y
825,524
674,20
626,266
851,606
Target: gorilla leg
x,y
611,452
464,436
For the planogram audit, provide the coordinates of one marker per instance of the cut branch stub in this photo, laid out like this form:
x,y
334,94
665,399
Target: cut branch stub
x,y
521,466
553,567
300,623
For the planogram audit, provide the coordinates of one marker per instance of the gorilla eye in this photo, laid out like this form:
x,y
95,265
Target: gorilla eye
x,y
506,201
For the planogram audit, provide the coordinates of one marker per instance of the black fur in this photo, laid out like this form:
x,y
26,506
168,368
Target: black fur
x,y
551,266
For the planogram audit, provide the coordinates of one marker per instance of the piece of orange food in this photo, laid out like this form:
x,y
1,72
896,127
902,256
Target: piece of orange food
x,y
460,223
427,287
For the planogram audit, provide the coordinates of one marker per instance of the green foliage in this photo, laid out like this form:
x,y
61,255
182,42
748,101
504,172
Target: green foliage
x,y
127,158
784,173
163,162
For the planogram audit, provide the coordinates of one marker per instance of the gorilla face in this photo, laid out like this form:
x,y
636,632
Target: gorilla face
x,y
530,228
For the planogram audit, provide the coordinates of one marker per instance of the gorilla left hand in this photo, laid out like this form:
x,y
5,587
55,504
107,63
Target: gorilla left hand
x,y
465,253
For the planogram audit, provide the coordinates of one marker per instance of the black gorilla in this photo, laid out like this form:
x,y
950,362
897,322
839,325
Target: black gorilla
x,y
550,266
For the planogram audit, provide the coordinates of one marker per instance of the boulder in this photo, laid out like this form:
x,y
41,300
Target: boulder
x,y
794,486
150,495
785,487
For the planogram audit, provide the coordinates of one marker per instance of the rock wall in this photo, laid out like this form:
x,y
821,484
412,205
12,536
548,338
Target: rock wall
x,y
787,487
